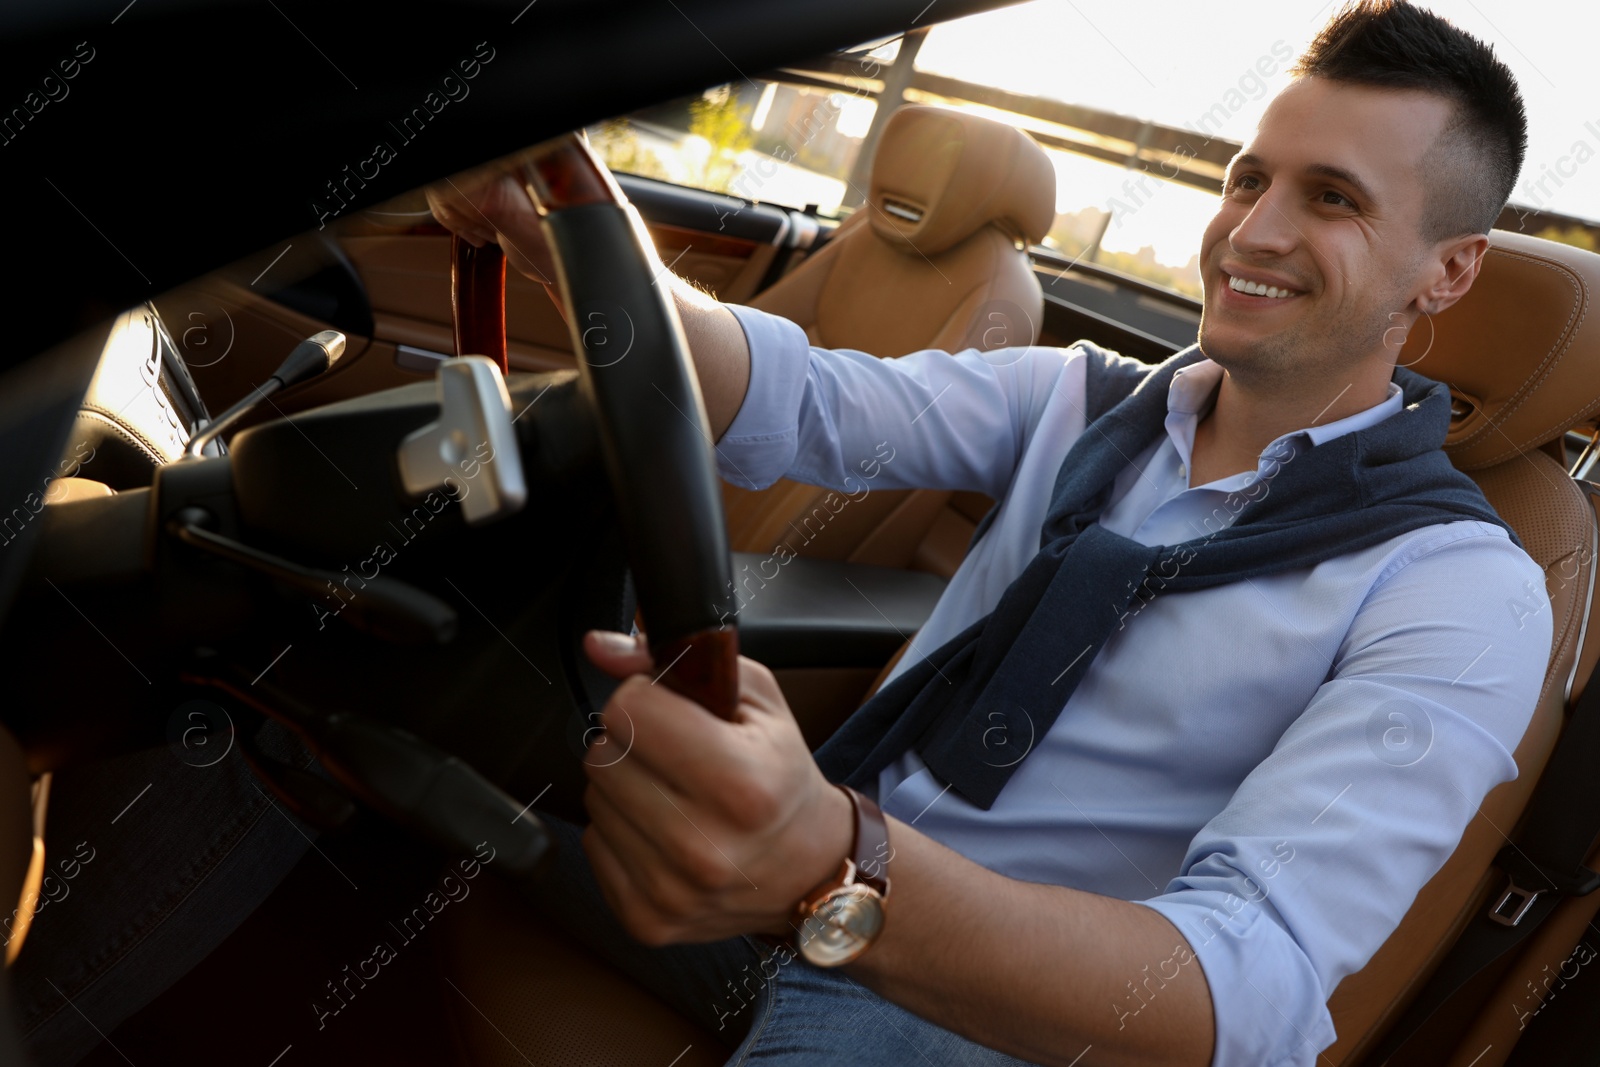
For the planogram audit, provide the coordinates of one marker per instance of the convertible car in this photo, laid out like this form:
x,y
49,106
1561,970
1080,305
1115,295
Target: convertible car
x,y
298,485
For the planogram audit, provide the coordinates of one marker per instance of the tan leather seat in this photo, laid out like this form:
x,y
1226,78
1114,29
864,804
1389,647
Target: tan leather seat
x,y
1522,353
935,259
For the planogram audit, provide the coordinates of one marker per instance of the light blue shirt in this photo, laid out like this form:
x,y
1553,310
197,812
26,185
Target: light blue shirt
x,y
1277,766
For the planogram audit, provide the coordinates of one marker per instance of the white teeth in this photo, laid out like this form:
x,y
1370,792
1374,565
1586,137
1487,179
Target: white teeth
x,y
1239,285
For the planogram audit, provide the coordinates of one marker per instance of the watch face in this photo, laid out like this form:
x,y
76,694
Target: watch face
x,y
842,925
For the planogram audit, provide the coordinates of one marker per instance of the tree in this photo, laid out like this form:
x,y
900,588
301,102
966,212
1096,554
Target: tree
x,y
619,149
717,117
1576,236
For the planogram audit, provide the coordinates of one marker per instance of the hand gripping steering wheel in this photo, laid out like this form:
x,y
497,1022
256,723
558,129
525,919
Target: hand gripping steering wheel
x,y
634,369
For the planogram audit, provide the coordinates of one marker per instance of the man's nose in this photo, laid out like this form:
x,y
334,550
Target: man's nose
x,y
1267,228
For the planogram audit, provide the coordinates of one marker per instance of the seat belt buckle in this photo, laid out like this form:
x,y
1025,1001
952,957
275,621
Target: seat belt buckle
x,y
1527,881
1513,904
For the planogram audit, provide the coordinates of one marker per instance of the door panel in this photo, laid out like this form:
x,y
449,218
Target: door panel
x,y
407,278
731,268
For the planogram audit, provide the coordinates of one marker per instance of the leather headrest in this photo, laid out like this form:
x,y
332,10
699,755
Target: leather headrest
x,y
940,176
1520,351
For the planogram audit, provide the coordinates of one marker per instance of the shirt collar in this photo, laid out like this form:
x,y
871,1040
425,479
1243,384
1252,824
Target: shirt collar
x,y
1194,389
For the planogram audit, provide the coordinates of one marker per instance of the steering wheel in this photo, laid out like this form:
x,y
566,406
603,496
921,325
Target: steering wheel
x,y
454,732
634,369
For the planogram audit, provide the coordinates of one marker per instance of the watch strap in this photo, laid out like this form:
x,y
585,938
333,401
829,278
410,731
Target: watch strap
x,y
870,850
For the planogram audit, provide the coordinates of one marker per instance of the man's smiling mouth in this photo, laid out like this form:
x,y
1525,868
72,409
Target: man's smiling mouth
x,y
1250,288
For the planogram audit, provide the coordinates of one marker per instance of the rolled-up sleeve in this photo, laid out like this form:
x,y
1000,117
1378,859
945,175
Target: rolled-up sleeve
x,y
1326,843
838,417
759,444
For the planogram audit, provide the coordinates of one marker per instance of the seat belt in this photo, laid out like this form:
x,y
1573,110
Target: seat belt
x,y
1543,866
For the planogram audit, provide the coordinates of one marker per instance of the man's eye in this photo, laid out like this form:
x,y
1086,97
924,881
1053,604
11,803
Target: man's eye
x,y
1336,199
1247,183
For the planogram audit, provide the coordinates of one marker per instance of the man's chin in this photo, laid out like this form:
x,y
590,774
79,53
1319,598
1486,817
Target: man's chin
x,y
1233,347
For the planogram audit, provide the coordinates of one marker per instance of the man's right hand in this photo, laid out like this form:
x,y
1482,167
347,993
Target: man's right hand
x,y
490,206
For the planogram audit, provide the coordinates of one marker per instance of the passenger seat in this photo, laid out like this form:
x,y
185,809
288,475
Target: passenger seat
x,y
936,258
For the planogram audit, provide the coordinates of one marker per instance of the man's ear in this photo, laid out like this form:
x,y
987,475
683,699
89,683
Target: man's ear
x,y
1454,273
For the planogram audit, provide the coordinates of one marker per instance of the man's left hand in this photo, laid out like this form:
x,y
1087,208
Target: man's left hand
x,y
701,828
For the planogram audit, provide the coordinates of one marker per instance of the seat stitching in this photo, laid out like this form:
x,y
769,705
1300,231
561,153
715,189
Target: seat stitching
x,y
1546,365
1569,634
137,441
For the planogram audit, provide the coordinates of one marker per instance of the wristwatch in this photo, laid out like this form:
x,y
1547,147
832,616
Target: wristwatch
x,y
840,919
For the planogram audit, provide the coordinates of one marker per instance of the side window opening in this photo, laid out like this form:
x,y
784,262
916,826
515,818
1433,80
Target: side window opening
x,y
770,141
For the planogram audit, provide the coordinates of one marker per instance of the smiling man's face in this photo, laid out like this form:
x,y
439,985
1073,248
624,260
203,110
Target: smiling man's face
x,y
1316,257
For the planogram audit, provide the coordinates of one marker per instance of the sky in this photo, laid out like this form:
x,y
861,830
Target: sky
x,y
1172,60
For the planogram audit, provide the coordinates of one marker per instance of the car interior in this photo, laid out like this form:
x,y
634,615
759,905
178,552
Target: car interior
x,y
419,696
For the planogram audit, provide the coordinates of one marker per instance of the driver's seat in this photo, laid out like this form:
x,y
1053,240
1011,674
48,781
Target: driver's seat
x,y
1522,354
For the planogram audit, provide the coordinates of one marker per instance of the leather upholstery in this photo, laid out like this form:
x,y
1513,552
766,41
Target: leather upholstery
x,y
1557,523
941,175
1517,350
139,408
66,490
954,280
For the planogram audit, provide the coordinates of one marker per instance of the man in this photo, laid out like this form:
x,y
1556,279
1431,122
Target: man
x,y
1256,767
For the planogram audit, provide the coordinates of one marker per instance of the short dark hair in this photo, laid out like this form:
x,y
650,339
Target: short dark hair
x,y
1392,45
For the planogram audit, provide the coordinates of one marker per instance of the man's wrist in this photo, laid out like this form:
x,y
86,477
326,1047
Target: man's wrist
x,y
836,838
840,834
829,840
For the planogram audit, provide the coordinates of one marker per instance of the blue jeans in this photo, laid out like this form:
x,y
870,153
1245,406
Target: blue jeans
x,y
797,1015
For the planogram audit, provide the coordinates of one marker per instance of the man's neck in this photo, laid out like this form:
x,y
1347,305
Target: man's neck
x,y
1243,421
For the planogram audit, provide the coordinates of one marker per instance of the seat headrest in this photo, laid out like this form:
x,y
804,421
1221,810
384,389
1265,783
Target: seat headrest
x,y
1520,351
940,176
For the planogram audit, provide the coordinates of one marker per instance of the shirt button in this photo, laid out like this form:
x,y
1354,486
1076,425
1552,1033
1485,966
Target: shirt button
x,y
1183,472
